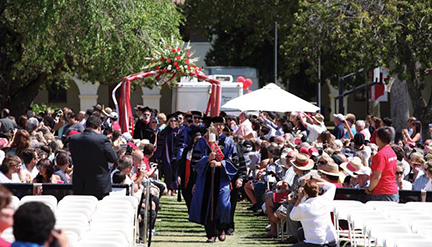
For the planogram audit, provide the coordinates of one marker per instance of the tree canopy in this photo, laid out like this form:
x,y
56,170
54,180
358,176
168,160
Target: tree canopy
x,y
349,35
99,41
346,35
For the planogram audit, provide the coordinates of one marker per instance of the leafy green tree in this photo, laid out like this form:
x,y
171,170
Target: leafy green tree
x,y
243,31
46,41
349,35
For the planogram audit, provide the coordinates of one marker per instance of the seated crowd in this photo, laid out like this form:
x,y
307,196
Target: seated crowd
x,y
282,153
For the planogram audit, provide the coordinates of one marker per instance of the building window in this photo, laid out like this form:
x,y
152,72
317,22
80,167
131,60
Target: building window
x,y
56,94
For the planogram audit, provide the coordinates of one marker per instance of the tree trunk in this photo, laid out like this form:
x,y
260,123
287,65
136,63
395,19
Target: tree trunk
x,y
422,110
399,104
21,100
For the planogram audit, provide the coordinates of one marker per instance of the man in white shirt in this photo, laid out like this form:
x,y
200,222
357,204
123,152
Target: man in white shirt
x,y
314,213
317,126
245,127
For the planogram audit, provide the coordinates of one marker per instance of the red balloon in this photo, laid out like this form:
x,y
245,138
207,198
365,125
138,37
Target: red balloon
x,y
247,83
240,79
249,91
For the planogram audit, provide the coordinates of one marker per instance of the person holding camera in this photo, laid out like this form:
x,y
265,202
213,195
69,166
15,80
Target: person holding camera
x,y
34,227
313,212
302,164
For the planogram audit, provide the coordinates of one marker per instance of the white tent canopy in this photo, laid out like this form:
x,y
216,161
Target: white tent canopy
x,y
270,98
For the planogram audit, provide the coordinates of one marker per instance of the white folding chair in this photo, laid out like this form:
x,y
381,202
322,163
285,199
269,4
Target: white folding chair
x,y
112,237
15,202
416,225
73,238
90,199
7,234
119,233
413,242
96,243
51,201
378,230
76,222
407,218
125,229
419,204
114,204
76,204
73,211
133,200
358,225
375,204
341,212
426,232
72,226
390,239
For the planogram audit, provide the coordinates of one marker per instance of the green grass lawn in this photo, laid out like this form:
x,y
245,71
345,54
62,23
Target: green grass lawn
x,y
176,230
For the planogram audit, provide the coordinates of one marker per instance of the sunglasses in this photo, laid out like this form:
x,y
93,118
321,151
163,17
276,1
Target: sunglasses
x,y
399,173
174,121
195,117
322,162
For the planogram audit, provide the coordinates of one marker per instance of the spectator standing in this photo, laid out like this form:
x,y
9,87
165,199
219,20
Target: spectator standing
x,y
383,182
338,130
315,126
245,127
91,153
72,124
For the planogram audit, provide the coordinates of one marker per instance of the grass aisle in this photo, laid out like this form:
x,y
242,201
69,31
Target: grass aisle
x,y
176,230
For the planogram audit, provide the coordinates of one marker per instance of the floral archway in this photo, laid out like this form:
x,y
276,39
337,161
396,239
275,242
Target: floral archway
x,y
166,66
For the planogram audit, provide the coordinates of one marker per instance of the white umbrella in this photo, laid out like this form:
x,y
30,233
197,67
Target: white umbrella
x,y
270,98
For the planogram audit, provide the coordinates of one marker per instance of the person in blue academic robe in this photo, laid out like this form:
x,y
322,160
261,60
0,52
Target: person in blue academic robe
x,y
166,152
224,171
187,134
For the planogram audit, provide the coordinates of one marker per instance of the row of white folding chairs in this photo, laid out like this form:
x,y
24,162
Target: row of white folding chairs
x,y
358,216
370,222
75,213
116,215
341,210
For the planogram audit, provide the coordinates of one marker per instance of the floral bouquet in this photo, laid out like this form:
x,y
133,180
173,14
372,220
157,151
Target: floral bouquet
x,y
173,58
